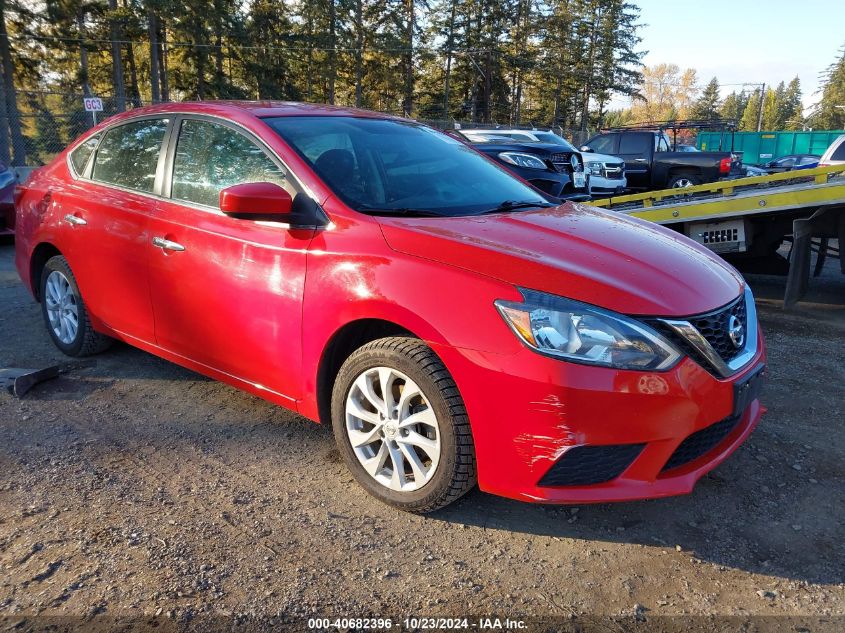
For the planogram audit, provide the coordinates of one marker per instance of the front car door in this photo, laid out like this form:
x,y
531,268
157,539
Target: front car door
x,y
107,207
635,148
227,292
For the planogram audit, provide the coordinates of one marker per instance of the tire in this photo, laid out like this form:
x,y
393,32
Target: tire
x,y
408,363
81,341
680,181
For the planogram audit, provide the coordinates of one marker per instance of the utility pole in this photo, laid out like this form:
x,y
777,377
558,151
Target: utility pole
x,y
760,109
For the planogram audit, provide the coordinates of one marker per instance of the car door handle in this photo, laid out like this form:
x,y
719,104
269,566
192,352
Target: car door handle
x,y
75,220
640,160
167,245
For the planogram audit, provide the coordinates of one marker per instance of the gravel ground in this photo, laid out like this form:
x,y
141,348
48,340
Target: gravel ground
x,y
139,489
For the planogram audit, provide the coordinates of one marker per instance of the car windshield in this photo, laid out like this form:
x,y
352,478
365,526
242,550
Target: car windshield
x,y
383,166
551,137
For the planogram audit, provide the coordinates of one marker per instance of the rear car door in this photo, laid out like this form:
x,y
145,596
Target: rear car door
x,y
227,292
107,209
636,148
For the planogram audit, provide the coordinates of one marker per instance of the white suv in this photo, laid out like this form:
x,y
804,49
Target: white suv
x,y
835,154
607,173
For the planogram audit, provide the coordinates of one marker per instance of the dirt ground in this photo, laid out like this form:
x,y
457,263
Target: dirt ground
x,y
137,488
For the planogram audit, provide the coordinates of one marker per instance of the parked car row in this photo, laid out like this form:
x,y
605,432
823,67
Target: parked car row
x,y
606,174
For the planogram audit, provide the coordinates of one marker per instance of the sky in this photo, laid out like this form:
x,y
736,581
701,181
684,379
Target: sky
x,y
742,41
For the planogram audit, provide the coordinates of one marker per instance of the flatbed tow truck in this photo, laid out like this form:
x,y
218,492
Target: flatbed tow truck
x,y
746,220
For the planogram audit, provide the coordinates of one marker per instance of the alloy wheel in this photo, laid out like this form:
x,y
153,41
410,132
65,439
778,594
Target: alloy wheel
x,y
62,308
392,429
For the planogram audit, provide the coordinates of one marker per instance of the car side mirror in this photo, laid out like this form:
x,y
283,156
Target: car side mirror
x,y
255,198
269,201
586,148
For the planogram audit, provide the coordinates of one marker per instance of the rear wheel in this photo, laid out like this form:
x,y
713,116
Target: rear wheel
x,y
64,311
681,181
401,426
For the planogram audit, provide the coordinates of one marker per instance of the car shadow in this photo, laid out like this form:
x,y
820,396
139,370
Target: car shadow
x,y
713,525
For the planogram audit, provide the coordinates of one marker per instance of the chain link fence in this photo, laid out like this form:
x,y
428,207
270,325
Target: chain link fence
x,y
49,121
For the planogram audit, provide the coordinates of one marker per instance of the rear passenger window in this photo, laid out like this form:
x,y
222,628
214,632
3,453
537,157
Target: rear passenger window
x,y
128,155
211,157
79,157
839,152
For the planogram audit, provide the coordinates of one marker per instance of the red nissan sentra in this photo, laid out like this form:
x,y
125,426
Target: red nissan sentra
x,y
451,322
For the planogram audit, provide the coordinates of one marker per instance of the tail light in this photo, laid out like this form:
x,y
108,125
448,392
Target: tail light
x,y
18,193
725,166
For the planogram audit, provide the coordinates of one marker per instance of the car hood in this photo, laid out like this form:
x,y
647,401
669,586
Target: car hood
x,y
531,148
592,157
595,256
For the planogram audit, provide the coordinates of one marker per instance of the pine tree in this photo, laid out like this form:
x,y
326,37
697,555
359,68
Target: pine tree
x,y
733,106
707,105
748,122
792,107
831,113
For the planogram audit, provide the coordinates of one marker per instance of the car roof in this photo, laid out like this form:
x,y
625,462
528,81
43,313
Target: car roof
x,y
260,109
527,147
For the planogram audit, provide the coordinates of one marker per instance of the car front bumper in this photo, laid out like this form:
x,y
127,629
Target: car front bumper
x,y
607,186
531,414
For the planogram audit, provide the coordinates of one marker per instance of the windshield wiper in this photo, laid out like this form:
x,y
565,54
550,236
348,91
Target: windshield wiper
x,y
511,205
399,211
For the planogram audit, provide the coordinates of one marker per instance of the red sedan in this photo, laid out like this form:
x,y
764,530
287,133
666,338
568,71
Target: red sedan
x,y
451,322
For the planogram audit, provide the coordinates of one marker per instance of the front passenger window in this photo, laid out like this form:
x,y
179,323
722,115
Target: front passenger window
x,y
211,157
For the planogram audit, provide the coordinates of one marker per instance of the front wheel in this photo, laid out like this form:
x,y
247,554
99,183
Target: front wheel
x,y
64,311
401,426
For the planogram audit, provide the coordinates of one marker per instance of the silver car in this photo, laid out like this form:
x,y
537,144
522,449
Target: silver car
x,y
835,154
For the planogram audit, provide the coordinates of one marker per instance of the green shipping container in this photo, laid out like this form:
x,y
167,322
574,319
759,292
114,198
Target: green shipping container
x,y
761,147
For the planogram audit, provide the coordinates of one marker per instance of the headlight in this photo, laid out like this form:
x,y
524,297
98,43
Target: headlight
x,y
582,333
594,168
523,160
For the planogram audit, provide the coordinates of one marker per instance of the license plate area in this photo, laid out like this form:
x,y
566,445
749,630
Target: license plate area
x,y
748,389
578,179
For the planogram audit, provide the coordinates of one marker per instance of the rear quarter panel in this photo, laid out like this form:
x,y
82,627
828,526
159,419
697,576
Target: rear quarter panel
x,y
36,220
704,163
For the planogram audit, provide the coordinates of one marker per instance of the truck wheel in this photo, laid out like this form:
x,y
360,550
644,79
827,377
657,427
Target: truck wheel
x,y
64,312
401,426
681,181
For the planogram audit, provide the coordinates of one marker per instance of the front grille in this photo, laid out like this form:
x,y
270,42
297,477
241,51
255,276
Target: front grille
x,y
714,327
564,168
561,158
701,442
681,343
586,465
613,172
